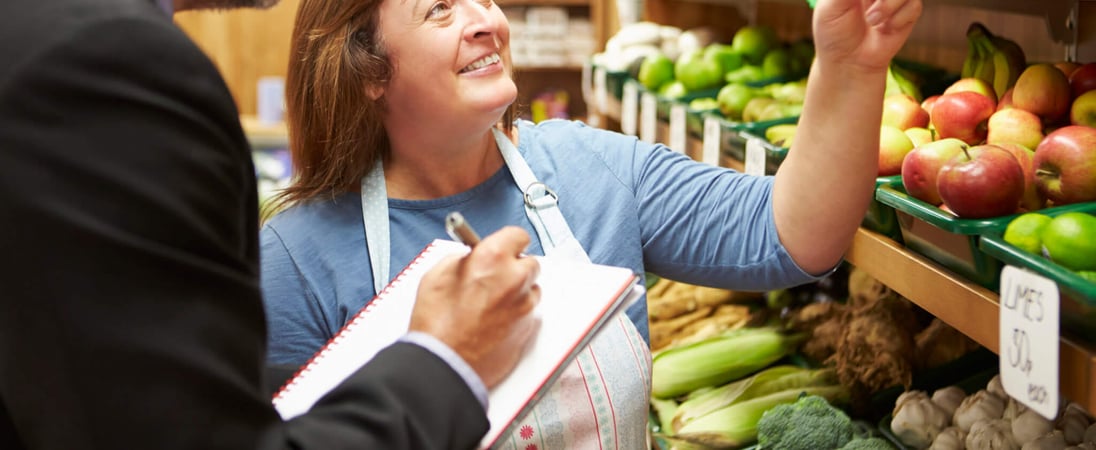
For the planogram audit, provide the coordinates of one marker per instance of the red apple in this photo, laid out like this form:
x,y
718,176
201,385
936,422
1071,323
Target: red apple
x,y
981,181
1065,165
1032,200
923,163
1083,79
1083,110
1016,126
1067,67
962,115
1005,102
1042,89
972,85
903,111
893,147
927,103
919,135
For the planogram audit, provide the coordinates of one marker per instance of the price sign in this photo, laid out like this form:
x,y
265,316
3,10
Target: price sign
x,y
755,157
1029,319
710,148
601,89
678,140
648,120
629,108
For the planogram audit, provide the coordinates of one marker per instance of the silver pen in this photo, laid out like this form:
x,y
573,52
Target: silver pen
x,y
459,229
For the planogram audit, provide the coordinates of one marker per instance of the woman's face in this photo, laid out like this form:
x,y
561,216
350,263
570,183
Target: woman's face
x,y
451,60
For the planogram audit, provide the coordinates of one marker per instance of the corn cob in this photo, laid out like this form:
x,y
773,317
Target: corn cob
x,y
718,360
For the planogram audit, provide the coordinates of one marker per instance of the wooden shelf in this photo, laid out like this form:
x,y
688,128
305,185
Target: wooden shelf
x,y
966,306
264,135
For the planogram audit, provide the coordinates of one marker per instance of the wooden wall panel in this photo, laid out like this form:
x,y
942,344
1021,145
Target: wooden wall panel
x,y
246,45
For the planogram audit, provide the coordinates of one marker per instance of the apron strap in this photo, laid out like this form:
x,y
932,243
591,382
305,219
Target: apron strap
x,y
541,205
375,218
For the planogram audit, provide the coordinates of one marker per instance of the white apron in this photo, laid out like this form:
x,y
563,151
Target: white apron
x,y
600,401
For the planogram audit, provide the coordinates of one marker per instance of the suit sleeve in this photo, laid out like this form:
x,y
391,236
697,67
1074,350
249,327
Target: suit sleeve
x,y
132,316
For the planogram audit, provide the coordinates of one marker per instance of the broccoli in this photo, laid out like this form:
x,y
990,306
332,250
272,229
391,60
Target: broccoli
x,y
810,423
870,443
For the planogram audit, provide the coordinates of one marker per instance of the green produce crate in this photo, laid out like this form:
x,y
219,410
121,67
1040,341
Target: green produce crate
x,y
694,121
942,237
735,134
664,104
881,217
614,82
1078,295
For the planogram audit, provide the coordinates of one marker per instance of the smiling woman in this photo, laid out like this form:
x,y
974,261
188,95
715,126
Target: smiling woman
x,y
401,111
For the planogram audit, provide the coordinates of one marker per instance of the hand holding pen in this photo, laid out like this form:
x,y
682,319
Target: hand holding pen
x,y
481,305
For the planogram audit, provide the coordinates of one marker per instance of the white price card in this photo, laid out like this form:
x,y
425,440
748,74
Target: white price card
x,y
755,157
629,108
710,149
678,140
648,117
601,89
1029,310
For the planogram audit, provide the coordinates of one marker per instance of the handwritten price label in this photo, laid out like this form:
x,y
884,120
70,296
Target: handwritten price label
x,y
1029,314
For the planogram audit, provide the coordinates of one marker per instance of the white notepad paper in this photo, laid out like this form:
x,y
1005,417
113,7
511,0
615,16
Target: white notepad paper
x,y
577,299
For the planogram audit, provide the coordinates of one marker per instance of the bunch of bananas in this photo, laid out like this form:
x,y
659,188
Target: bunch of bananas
x,y
994,59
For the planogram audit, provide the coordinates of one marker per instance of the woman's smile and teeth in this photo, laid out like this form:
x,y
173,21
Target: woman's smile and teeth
x,y
486,61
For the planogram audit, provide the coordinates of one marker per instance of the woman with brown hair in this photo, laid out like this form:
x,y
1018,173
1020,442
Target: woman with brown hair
x,y
400,111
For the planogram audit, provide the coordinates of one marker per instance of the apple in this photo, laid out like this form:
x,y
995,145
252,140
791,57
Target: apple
x,y
1042,89
1067,67
971,84
1016,126
1005,102
981,181
1065,165
919,135
893,147
1083,79
903,111
927,103
1032,200
923,163
962,115
1083,110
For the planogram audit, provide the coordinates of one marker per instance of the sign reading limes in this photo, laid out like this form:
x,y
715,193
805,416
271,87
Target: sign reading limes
x,y
1028,353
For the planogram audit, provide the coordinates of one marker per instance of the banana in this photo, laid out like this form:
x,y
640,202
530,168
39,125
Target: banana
x,y
997,60
1013,58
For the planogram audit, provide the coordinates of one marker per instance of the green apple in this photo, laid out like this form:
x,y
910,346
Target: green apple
x,y
697,72
733,98
777,63
754,41
673,90
728,58
655,70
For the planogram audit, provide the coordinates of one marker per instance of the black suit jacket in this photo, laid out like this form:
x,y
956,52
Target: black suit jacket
x,y
130,310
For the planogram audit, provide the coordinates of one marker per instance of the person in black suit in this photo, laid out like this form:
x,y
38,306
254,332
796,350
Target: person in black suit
x,y
131,315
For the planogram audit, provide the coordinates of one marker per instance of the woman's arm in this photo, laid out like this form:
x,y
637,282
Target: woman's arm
x,y
823,188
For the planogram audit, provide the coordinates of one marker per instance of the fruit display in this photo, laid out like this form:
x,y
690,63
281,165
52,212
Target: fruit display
x,y
1030,111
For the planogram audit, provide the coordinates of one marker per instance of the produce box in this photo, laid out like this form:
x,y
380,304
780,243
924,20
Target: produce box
x,y
944,238
735,134
614,82
664,104
881,217
1078,295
